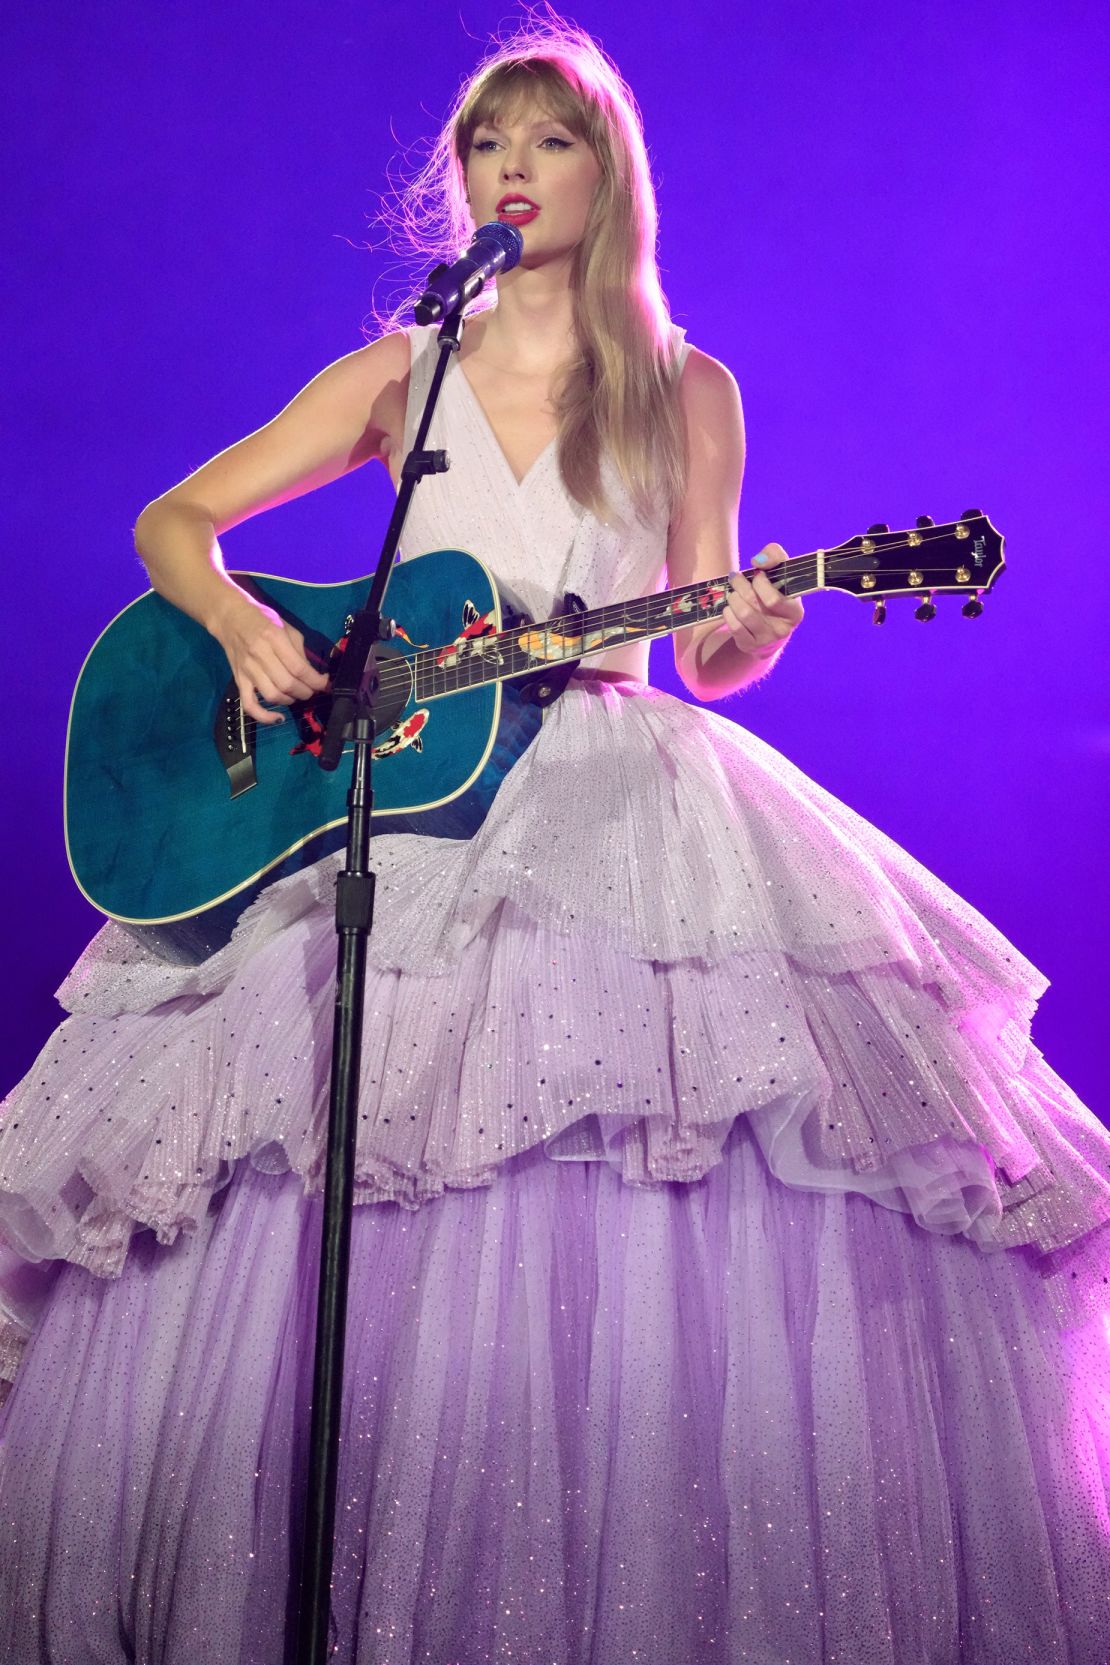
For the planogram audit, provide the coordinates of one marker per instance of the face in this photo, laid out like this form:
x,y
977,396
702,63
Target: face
x,y
531,171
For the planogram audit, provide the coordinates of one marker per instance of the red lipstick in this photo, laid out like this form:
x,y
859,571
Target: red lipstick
x,y
516,209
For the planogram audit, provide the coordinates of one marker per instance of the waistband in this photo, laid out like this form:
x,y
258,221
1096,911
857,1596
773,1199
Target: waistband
x,y
589,674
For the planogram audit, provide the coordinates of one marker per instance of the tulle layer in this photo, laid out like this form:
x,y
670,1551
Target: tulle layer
x,y
585,1423
624,1003
857,1081
641,822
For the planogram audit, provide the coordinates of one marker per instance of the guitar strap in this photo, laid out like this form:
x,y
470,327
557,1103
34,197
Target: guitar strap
x,y
544,686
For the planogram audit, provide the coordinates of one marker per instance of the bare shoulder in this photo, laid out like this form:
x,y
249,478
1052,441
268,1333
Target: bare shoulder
x,y
714,419
353,411
386,357
373,378
383,368
708,391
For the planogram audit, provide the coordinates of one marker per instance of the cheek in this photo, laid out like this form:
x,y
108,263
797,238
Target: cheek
x,y
588,183
476,174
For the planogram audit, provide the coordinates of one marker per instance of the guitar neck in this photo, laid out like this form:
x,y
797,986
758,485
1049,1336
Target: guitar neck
x,y
501,655
962,557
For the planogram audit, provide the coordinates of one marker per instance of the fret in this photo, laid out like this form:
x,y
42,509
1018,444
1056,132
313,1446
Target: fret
x,y
526,648
871,567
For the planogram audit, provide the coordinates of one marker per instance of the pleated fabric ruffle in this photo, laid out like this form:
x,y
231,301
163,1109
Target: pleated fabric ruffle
x,y
585,1423
701,934
639,821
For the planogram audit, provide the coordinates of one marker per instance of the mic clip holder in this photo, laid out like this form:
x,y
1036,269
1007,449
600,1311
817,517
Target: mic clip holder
x,y
419,463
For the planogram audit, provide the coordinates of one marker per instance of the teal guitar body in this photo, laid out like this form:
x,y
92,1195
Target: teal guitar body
x,y
178,810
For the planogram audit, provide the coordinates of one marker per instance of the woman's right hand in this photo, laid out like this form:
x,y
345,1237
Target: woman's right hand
x,y
267,657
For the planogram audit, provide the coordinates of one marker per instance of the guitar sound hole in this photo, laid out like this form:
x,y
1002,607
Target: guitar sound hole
x,y
388,704
390,701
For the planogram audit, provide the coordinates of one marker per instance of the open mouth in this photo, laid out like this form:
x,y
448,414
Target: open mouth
x,y
517,210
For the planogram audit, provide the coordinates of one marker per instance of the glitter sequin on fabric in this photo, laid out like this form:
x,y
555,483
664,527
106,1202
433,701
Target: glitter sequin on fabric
x,y
730,1271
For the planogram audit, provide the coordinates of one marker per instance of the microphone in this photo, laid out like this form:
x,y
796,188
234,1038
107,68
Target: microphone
x,y
496,247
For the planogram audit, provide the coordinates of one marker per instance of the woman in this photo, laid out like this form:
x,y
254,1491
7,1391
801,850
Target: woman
x,y
729,1272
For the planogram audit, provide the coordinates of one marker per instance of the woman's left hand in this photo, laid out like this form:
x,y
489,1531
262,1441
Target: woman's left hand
x,y
759,617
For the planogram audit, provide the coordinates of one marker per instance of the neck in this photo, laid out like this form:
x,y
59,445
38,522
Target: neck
x,y
532,325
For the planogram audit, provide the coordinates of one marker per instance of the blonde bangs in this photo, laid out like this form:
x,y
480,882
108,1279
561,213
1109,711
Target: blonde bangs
x,y
506,88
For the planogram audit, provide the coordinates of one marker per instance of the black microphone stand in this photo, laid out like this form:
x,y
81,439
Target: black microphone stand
x,y
354,683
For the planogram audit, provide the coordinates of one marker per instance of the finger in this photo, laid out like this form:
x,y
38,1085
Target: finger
x,y
741,589
738,614
265,686
305,669
757,601
253,707
754,631
273,680
293,668
772,600
288,687
771,555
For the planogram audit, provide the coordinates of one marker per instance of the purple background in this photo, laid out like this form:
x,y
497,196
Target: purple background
x,y
879,216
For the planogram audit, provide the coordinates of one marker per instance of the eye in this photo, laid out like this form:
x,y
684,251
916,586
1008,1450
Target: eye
x,y
554,139
484,144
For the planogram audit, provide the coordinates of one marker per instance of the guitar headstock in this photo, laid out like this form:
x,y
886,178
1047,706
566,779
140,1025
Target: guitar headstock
x,y
963,557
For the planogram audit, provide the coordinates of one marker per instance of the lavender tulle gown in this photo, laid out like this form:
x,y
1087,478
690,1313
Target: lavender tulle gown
x,y
729,1270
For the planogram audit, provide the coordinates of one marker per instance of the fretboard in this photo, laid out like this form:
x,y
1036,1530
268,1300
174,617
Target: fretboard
x,y
496,656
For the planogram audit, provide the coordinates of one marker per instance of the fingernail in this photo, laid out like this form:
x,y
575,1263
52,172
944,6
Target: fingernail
x,y
760,560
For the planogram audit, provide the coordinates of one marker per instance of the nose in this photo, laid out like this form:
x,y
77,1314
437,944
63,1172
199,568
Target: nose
x,y
515,164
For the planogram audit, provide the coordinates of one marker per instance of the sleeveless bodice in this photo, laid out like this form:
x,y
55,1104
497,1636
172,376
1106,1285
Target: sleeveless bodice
x,y
537,541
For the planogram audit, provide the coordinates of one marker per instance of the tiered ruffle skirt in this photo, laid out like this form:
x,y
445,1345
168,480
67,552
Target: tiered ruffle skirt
x,y
730,1269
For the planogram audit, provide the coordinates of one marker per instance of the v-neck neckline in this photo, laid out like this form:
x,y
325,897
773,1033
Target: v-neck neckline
x,y
496,443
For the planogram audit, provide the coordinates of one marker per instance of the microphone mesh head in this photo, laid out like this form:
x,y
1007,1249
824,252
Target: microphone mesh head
x,y
505,237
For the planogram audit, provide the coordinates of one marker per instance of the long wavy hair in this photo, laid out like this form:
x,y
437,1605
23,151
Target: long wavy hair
x,y
619,395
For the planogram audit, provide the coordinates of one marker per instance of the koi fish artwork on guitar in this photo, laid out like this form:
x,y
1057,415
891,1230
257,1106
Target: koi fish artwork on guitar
x,y
406,733
174,815
553,643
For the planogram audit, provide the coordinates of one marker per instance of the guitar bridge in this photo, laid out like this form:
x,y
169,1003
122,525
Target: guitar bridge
x,y
234,734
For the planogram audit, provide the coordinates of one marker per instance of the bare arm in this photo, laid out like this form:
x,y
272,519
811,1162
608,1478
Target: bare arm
x,y
722,655
351,412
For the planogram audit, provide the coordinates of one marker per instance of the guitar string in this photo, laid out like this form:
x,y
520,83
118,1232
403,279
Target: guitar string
x,y
805,565
799,566
641,609
468,671
640,613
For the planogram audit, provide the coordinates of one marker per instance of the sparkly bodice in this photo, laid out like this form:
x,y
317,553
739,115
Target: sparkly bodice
x,y
531,533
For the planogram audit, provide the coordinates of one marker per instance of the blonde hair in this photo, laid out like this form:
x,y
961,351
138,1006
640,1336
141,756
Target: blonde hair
x,y
619,395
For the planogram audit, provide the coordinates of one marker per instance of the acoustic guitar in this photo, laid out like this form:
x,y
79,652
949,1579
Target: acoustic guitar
x,y
179,808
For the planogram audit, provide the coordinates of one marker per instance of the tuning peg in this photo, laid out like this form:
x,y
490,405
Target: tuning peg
x,y
971,514
925,520
926,611
879,615
972,607
879,526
